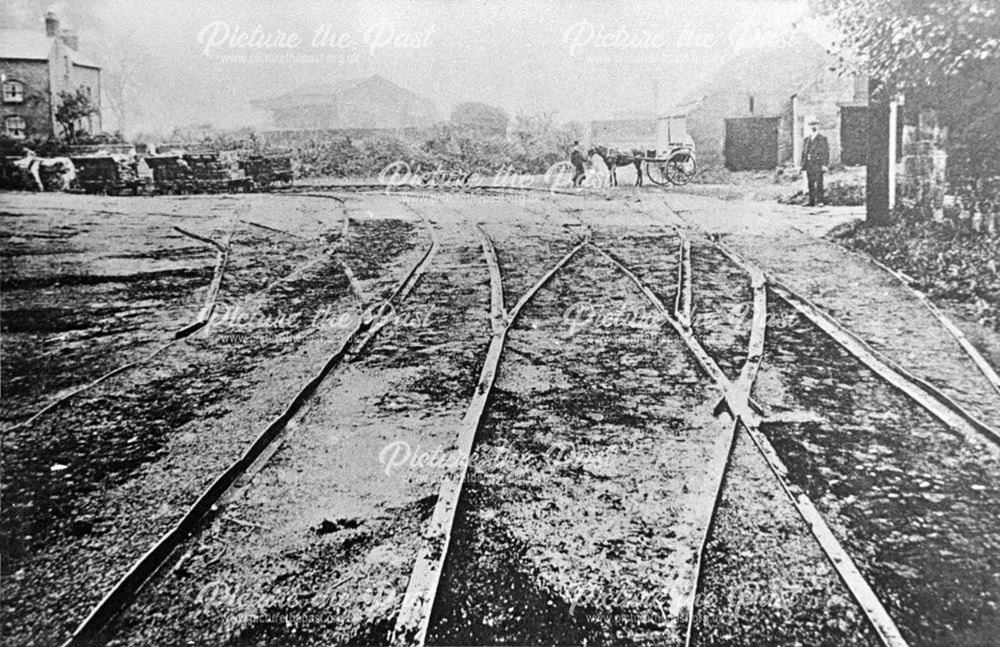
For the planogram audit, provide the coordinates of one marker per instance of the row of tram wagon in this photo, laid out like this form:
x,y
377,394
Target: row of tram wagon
x,y
181,173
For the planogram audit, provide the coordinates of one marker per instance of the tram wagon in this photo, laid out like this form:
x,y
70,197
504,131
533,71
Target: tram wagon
x,y
109,174
266,171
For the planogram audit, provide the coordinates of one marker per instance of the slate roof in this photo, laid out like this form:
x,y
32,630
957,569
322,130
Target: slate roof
x,y
27,45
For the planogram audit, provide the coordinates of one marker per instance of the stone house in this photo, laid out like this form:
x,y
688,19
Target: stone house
x,y
751,114
35,67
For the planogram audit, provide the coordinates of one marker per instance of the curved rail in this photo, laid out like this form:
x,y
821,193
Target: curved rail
x,y
723,448
683,303
928,396
740,409
421,591
938,404
981,362
121,595
204,315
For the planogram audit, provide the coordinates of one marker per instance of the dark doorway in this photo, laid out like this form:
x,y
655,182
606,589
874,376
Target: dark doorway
x,y
853,135
751,143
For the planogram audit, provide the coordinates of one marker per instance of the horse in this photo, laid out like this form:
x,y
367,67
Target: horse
x,y
614,159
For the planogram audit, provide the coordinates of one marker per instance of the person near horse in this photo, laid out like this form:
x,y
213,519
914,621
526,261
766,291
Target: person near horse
x,y
600,174
576,159
815,160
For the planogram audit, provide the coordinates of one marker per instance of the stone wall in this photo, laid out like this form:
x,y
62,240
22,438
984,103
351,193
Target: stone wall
x,y
66,76
921,177
824,99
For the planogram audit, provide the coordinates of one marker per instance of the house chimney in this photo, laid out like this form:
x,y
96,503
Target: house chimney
x,y
51,24
71,39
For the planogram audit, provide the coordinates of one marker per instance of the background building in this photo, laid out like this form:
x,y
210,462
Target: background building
x,y
750,114
372,103
37,66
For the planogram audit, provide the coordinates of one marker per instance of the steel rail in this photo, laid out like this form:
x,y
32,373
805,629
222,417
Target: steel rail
x,y
89,631
418,602
883,625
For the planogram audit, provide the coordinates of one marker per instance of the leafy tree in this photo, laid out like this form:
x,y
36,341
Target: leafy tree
x,y
944,54
73,106
912,44
538,143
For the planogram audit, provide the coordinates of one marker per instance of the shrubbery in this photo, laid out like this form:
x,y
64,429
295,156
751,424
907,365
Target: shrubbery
x,y
949,260
835,194
533,145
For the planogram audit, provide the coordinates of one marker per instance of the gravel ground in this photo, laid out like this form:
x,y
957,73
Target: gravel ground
x,y
916,506
883,313
316,548
143,445
874,305
765,579
578,523
602,428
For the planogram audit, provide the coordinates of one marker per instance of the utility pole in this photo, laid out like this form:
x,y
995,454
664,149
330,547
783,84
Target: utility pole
x,y
881,155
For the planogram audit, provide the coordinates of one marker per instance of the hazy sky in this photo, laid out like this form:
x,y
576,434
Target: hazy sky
x,y
201,62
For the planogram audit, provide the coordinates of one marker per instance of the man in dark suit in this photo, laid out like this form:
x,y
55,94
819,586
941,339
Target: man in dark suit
x,y
815,160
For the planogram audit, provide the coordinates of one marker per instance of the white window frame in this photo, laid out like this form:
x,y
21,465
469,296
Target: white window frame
x,y
17,95
12,131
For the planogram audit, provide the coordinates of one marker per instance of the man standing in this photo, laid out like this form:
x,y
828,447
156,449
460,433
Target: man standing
x,y
815,159
576,159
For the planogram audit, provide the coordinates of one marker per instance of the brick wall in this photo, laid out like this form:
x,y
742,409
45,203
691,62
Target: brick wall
x,y
35,109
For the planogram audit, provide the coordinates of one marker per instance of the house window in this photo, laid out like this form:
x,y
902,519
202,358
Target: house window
x,y
13,92
14,127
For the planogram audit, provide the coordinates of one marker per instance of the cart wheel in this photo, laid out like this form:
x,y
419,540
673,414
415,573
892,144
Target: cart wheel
x,y
657,173
679,171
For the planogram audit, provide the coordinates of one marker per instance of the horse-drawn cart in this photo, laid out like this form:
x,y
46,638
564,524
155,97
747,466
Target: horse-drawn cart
x,y
658,146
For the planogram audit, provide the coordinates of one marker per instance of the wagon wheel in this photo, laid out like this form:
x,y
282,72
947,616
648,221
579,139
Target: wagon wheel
x,y
679,170
657,172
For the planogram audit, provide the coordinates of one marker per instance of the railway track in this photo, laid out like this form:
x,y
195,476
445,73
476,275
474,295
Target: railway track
x,y
729,381
202,318
208,309
412,628
414,616
942,411
354,343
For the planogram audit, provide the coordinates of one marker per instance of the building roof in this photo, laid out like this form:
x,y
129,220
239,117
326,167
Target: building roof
x,y
24,44
80,60
776,71
326,93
